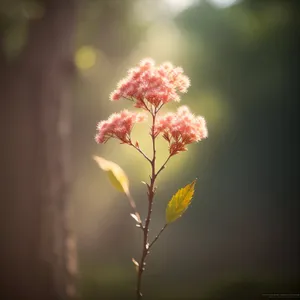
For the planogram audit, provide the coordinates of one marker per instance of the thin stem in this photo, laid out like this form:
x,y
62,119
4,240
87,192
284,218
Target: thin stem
x,y
151,193
139,150
146,107
163,166
159,107
156,238
126,98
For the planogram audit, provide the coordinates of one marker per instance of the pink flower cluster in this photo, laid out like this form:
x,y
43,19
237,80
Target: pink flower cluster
x,y
181,128
150,87
156,85
119,125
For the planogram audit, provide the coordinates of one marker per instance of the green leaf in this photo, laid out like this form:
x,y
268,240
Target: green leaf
x,y
180,202
116,175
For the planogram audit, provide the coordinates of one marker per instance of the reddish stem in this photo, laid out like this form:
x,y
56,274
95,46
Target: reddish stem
x,y
139,150
156,238
151,193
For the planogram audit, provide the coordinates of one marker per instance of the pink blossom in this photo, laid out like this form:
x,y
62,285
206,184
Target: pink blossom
x,y
181,128
152,84
119,126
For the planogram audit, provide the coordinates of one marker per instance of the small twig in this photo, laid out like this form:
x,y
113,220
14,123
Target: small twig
x,y
163,166
126,98
156,238
159,108
146,107
139,150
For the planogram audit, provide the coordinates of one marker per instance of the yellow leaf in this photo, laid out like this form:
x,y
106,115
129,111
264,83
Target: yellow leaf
x,y
115,174
180,202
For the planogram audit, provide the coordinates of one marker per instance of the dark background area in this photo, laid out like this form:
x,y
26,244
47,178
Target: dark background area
x,y
240,237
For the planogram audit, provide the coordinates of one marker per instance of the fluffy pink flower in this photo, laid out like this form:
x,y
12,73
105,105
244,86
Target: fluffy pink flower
x,y
181,128
119,126
152,84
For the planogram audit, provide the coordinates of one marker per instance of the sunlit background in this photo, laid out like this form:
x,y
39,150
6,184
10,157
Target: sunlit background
x,y
239,238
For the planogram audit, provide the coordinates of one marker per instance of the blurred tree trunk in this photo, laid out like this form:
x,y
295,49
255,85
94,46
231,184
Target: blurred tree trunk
x,y
38,256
